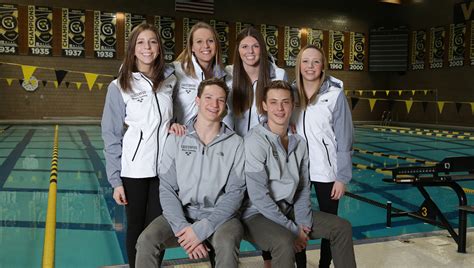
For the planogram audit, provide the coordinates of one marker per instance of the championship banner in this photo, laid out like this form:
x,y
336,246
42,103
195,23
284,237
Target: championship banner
x,y
315,37
270,35
222,29
418,50
166,27
357,51
292,45
187,25
105,36
437,47
239,26
472,43
457,45
132,21
40,30
73,32
8,29
336,50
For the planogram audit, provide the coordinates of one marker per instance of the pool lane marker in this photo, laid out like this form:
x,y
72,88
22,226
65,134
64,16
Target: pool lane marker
x,y
431,134
50,227
391,156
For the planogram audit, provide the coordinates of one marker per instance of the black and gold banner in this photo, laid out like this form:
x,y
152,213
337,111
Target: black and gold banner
x,y
105,35
166,26
437,47
457,44
315,37
292,45
357,51
270,35
8,29
336,50
188,23
40,30
73,32
418,50
472,43
222,29
132,21
239,26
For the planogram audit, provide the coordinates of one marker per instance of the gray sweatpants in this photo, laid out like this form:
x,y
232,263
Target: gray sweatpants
x,y
159,235
270,236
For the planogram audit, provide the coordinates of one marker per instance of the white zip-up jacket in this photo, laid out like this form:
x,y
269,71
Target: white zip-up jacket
x,y
203,183
185,92
251,117
326,124
134,127
277,180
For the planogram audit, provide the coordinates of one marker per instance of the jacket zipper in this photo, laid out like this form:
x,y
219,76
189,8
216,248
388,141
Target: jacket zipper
x,y
327,152
138,146
250,108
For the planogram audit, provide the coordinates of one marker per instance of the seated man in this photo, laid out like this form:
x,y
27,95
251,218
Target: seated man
x,y
202,186
278,216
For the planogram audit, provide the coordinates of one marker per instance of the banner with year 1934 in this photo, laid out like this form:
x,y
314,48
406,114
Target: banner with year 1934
x,y
8,29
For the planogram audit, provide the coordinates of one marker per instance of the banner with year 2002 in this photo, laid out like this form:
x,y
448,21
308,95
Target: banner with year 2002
x,y
8,29
105,36
73,32
166,26
40,31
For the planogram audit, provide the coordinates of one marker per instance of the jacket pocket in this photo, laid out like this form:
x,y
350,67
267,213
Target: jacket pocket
x,y
327,152
138,145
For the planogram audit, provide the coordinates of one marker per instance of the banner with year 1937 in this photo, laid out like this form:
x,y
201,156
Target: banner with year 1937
x,y
105,35
40,31
73,32
8,29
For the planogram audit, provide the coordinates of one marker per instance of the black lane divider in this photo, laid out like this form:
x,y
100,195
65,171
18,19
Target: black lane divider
x,y
9,163
105,189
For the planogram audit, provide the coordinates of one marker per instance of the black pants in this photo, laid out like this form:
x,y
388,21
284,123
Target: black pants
x,y
326,204
143,207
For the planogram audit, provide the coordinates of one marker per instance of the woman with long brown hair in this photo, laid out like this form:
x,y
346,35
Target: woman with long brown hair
x,y
137,114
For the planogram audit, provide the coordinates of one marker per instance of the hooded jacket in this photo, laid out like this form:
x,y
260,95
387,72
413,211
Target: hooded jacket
x,y
135,125
185,92
327,127
202,185
251,117
277,180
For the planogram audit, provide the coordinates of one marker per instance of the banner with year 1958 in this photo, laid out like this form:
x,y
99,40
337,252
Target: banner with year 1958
x,y
166,27
73,32
336,50
105,35
40,31
8,29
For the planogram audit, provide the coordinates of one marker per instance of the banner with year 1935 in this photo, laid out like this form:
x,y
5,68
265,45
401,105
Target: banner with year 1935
x,y
40,30
73,32
8,29
105,35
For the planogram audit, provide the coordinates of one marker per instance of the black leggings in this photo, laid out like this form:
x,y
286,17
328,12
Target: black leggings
x,y
326,204
143,207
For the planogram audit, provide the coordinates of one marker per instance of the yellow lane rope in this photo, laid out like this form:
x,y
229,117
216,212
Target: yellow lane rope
x,y
391,156
50,228
414,132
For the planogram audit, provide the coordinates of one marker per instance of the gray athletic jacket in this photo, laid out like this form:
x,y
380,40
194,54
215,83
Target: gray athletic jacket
x,y
202,186
277,180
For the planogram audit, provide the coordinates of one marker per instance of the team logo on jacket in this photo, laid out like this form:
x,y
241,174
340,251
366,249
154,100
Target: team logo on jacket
x,y
188,88
138,96
188,149
274,151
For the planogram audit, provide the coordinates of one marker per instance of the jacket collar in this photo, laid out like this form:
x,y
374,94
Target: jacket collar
x,y
168,71
328,82
292,140
224,131
218,71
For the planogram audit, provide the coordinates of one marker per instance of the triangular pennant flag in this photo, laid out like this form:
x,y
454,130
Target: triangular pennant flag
x,y
354,102
387,92
115,77
425,91
60,74
400,92
413,92
9,81
67,84
44,82
21,81
425,104
372,104
458,106
346,92
472,107
390,104
99,85
90,77
408,104
440,106
374,92
78,85
360,92
56,84
27,71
